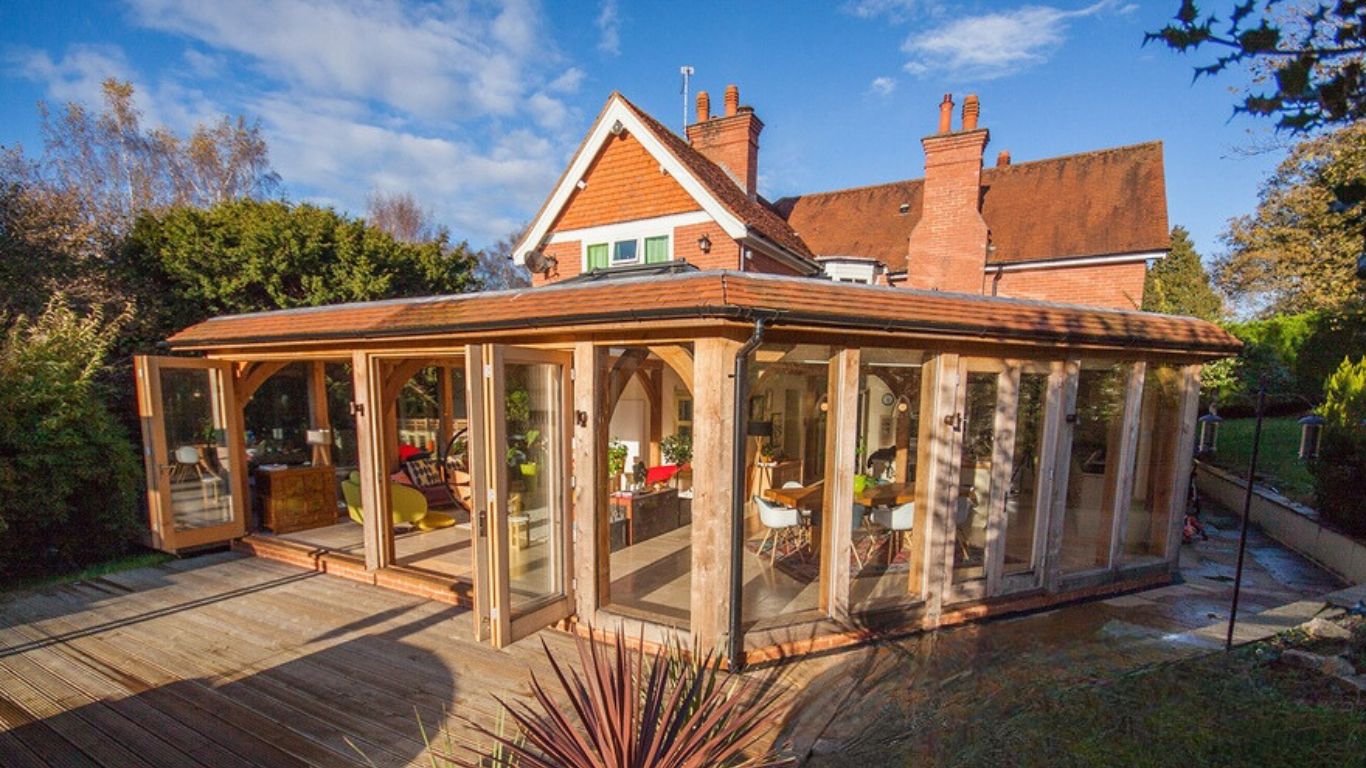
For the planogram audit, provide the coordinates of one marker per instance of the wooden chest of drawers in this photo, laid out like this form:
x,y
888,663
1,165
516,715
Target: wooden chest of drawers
x,y
296,498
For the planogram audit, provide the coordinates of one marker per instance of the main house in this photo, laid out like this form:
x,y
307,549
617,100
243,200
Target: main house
x,y
1078,229
764,427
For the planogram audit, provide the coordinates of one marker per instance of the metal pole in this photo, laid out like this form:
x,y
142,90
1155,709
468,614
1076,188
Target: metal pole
x,y
1247,509
735,636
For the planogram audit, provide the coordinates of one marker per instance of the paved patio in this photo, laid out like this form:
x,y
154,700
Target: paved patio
x,y
224,660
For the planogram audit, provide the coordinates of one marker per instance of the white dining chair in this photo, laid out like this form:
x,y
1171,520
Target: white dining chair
x,y
781,522
898,521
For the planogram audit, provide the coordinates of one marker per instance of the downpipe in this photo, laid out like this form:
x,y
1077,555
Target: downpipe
x,y
735,639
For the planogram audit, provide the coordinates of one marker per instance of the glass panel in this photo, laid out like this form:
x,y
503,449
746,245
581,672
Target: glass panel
x,y
1089,518
624,252
419,414
340,394
196,438
785,476
533,406
597,256
882,560
656,250
1149,518
975,476
650,495
1026,464
277,419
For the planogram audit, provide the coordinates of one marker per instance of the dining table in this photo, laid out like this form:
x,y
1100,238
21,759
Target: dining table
x,y
886,494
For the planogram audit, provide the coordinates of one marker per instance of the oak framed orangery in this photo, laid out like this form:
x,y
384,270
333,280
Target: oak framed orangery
x,y
856,457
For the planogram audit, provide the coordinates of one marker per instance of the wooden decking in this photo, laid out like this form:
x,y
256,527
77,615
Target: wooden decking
x,y
224,660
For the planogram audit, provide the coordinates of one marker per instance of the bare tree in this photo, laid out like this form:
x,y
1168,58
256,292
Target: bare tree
x,y
118,168
494,268
401,216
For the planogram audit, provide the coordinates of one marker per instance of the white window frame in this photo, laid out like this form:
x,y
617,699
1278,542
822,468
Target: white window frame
x,y
631,231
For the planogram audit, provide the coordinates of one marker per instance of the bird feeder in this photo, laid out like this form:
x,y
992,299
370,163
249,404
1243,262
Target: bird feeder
x,y
1311,434
1209,432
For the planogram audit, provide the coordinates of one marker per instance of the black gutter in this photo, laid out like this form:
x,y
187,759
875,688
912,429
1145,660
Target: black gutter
x,y
735,638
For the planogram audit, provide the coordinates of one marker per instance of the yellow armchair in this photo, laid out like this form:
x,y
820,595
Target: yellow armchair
x,y
409,506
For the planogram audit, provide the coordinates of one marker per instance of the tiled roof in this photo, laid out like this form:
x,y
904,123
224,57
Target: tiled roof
x,y
722,295
1111,201
756,214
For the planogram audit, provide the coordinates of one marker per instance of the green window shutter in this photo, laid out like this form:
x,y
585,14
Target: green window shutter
x,y
656,249
597,256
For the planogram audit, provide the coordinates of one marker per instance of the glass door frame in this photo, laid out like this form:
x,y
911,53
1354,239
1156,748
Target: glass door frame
x,y
495,620
156,452
1005,430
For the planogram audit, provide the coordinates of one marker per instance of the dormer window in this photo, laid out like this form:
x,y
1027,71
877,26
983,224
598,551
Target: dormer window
x,y
619,253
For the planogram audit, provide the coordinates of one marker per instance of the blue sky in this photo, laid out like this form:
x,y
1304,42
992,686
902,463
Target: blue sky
x,y
475,107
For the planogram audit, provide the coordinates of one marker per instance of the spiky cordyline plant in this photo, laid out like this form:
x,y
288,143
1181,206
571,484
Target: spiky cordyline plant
x,y
648,712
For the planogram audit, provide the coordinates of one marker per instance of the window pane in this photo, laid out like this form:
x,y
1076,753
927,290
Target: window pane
x,y
1093,464
624,252
1149,520
196,437
534,422
785,473
1022,494
597,256
975,476
883,564
656,250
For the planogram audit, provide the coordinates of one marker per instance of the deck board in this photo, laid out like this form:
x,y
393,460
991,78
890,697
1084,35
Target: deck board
x,y
235,661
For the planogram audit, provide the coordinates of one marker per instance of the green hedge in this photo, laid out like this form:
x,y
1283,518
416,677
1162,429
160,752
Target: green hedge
x,y
69,475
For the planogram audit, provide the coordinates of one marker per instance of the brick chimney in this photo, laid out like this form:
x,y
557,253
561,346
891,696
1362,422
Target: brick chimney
x,y
948,247
731,140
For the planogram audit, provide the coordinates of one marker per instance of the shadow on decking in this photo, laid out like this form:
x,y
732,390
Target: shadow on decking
x,y
369,691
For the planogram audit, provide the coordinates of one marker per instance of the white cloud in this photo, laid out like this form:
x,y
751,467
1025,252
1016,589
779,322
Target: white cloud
x,y
568,81
609,28
882,86
995,44
78,75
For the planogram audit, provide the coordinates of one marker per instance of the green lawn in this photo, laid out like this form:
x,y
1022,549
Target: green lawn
x,y
1241,709
1278,462
141,559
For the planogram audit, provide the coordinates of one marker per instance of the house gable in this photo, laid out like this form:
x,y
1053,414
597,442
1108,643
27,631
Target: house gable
x,y
624,182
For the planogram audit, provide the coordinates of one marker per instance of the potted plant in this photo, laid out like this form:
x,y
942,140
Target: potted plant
x,y
616,461
677,448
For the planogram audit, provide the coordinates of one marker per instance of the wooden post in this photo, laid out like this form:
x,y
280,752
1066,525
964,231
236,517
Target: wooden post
x,y
1184,447
377,530
317,408
713,420
1128,458
841,466
446,387
654,390
941,482
1062,462
592,548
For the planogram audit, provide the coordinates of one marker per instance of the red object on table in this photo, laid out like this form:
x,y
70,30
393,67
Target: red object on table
x,y
406,452
663,473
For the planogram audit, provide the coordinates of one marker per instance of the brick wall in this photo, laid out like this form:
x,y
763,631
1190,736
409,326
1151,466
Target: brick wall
x,y
948,246
724,254
1118,286
623,183
568,256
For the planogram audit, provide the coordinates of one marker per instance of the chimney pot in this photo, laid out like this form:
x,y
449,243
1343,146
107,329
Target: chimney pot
x,y
732,100
1003,158
971,108
946,113
703,106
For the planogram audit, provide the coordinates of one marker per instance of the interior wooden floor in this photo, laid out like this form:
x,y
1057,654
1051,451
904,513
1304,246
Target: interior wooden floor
x,y
224,661
445,551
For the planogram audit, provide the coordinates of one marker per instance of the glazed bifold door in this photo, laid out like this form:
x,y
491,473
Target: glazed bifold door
x,y
192,453
521,418
999,450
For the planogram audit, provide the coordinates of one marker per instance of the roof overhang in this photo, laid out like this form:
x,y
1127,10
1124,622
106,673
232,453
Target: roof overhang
x,y
798,303
1075,261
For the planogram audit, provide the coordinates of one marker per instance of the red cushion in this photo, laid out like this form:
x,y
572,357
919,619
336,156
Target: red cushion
x,y
406,452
